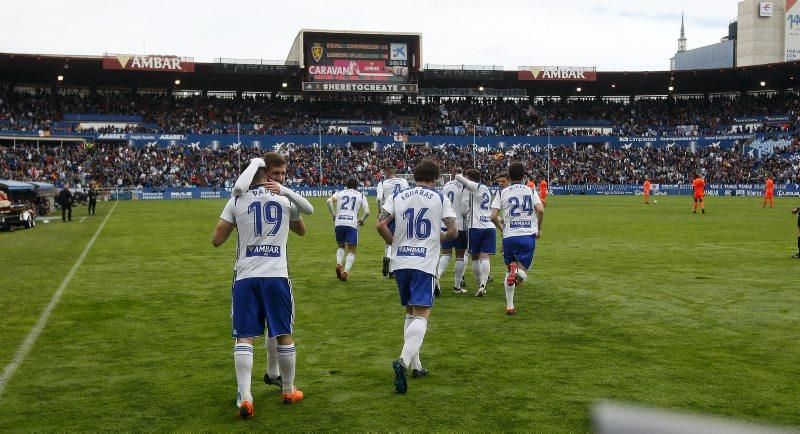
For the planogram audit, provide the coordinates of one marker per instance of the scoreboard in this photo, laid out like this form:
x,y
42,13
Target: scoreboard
x,y
349,62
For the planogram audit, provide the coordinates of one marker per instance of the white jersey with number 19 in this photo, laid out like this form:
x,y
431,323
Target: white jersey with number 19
x,y
517,202
418,214
262,221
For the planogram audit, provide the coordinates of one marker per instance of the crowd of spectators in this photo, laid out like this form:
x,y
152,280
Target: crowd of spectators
x,y
438,116
123,166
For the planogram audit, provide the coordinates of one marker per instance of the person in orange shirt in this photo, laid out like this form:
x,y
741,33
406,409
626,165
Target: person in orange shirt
x,y
769,189
646,190
531,183
543,192
699,185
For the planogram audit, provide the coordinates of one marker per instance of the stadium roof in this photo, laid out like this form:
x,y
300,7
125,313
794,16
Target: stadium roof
x,y
42,70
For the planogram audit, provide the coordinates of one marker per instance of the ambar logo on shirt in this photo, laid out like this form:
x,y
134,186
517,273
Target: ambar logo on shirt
x,y
263,250
412,251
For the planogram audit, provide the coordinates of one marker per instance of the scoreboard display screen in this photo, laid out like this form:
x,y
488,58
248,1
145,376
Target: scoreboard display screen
x,y
351,60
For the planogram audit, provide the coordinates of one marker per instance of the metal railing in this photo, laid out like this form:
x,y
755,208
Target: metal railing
x,y
233,61
465,67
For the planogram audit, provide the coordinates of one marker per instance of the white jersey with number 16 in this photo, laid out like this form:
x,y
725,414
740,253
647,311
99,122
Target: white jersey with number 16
x,y
418,214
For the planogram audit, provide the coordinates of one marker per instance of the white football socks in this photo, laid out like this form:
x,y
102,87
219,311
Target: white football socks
x,y
416,363
272,357
340,256
444,261
414,335
388,252
485,268
243,360
476,271
509,293
460,268
286,360
522,276
349,262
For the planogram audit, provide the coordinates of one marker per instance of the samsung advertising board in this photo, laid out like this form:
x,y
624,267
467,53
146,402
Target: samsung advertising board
x,y
360,62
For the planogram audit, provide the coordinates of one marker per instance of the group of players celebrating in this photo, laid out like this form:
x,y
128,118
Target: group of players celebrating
x,y
421,226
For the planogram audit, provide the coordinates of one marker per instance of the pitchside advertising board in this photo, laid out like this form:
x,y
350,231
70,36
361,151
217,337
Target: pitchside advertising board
x,y
360,63
781,190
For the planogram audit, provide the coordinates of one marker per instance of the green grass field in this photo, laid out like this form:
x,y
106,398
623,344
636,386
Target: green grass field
x,y
642,304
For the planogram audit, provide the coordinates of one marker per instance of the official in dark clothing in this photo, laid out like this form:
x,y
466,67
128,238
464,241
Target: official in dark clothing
x,y
65,201
92,200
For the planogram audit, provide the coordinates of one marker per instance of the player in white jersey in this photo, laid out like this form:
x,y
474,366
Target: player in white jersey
x,y
263,212
387,188
347,204
453,190
481,234
416,242
524,213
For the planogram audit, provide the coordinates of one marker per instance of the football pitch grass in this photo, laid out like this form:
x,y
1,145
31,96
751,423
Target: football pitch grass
x,y
627,302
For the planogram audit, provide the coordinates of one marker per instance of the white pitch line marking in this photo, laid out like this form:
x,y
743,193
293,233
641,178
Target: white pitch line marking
x,y
27,344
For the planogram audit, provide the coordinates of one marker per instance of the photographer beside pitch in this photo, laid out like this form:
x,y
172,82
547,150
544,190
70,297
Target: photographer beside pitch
x,y
523,211
263,212
416,243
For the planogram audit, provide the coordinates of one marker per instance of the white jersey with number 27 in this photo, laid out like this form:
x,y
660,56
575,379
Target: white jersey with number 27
x,y
389,187
418,214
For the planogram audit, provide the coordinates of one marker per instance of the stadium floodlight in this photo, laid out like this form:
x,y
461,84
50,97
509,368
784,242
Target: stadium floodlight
x,y
579,89
613,86
60,78
177,82
284,85
480,88
763,83
671,88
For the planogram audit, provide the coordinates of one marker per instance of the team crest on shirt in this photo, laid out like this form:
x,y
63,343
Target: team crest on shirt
x,y
263,250
316,51
412,251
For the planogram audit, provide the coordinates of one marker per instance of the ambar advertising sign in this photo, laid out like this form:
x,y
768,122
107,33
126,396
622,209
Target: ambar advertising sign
x,y
148,63
557,73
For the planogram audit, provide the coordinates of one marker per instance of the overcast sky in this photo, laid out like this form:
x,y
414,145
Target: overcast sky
x,y
611,35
